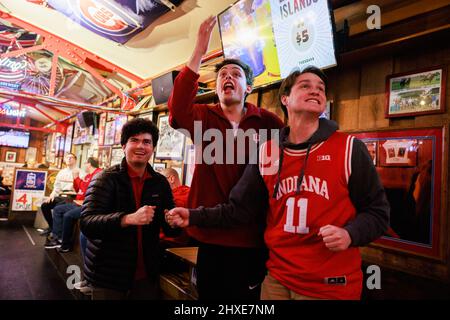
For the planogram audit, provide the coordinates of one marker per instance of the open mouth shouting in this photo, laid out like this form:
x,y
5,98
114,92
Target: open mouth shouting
x,y
228,87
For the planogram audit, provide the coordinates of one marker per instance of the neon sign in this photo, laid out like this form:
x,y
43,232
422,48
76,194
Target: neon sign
x,y
13,64
8,111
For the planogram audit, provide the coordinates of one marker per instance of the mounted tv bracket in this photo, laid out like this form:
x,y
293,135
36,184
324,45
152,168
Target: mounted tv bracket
x,y
168,4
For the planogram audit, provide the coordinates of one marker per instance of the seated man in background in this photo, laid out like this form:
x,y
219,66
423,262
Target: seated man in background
x,y
180,192
180,196
63,183
65,215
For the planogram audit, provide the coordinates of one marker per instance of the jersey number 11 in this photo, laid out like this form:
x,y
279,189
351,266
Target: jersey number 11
x,y
302,205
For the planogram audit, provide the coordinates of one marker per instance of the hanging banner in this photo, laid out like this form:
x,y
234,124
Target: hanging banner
x,y
117,20
28,189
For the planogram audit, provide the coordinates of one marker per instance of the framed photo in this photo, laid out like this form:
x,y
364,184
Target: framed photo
x,y
117,155
189,164
147,115
111,116
159,166
171,142
119,123
10,156
417,93
413,187
101,129
104,156
68,140
109,133
398,152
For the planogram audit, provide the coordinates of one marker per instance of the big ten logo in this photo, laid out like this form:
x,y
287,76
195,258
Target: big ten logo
x,y
374,20
374,279
74,276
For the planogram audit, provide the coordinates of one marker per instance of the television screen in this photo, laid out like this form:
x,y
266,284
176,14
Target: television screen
x,y
275,37
14,138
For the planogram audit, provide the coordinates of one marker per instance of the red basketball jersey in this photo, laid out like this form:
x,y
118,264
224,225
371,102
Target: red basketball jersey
x,y
298,257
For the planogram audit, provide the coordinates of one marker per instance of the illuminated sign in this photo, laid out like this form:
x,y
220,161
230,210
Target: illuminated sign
x,y
13,64
13,70
8,111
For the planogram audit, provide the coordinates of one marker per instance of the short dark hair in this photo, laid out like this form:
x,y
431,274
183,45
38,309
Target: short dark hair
x,y
73,154
288,83
247,70
137,126
93,161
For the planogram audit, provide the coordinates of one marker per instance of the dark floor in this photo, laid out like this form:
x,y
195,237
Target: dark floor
x,y
26,271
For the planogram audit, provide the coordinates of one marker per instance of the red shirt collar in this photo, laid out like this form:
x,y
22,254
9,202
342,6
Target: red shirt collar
x,y
133,174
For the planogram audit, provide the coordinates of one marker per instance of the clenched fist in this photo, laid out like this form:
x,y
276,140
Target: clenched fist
x,y
335,238
144,215
178,217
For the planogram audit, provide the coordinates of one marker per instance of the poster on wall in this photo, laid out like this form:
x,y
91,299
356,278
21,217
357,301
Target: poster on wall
x,y
68,142
171,142
189,165
28,189
117,155
101,129
104,157
119,123
109,133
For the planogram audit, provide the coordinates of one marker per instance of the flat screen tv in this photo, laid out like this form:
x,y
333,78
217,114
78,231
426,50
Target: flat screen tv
x,y
275,37
14,138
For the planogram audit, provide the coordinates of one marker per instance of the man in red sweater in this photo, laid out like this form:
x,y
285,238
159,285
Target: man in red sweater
x,y
230,263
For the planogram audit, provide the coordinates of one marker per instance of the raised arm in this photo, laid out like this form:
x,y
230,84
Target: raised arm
x,y
182,111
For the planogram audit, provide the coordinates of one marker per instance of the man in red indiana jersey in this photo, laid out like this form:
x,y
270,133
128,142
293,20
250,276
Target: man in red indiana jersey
x,y
322,195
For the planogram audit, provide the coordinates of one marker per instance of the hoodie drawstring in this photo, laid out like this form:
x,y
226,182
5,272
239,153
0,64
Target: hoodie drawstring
x,y
277,185
302,172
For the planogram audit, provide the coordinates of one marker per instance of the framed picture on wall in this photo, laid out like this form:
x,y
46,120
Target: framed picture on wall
x,y
159,166
413,188
10,156
109,133
117,155
416,93
398,152
68,140
119,123
104,156
171,142
189,165
101,129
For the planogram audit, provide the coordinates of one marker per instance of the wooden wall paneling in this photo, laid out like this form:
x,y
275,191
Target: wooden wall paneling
x,y
347,96
269,101
253,98
372,102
